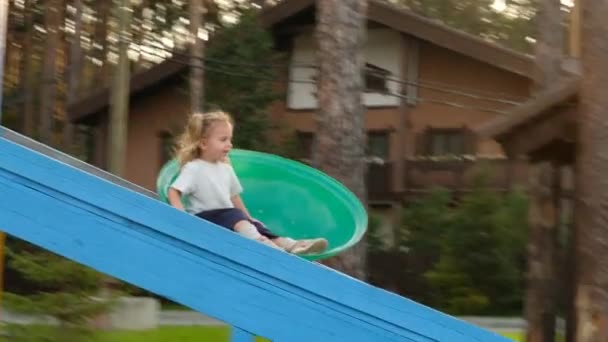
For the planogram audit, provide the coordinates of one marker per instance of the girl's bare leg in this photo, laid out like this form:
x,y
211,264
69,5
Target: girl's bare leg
x,y
249,231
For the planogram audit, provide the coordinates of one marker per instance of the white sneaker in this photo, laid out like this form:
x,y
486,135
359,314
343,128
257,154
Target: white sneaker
x,y
309,246
269,243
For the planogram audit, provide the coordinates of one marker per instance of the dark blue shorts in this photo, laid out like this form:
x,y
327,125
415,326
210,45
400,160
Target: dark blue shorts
x,y
229,217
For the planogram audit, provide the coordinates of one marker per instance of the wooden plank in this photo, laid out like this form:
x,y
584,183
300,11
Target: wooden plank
x,y
534,109
147,243
542,132
240,335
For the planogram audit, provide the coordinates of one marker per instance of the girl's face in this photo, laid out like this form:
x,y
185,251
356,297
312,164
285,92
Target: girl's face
x,y
218,142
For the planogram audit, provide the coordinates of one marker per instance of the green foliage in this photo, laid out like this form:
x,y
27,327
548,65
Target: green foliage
x,y
65,292
424,223
471,256
239,78
52,271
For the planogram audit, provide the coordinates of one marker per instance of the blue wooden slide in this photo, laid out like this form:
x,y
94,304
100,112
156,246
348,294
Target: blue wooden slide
x,y
94,218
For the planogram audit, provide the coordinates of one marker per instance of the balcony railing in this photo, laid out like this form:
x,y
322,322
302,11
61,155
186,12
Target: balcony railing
x,y
422,175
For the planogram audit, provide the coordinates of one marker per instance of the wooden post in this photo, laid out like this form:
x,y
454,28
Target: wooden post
x,y
569,252
197,53
575,30
119,118
117,139
409,71
540,303
75,74
3,23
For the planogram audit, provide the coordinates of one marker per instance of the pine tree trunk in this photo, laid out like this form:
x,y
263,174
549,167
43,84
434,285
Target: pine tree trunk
x,y
27,71
340,142
197,47
549,47
47,97
101,38
591,213
75,72
542,283
140,35
119,110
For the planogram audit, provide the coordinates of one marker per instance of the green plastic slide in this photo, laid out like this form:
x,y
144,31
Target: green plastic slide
x,y
292,199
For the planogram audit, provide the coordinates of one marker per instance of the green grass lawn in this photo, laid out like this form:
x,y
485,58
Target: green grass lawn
x,y
515,336
201,334
213,334
164,334
182,334
196,334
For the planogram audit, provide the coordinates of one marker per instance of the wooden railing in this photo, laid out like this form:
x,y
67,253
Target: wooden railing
x,y
421,176
462,174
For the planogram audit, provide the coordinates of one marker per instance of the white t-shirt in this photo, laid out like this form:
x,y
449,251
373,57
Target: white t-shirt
x,y
208,185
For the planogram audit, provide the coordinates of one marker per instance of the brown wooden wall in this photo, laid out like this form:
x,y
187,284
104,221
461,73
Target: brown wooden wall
x,y
165,109
161,110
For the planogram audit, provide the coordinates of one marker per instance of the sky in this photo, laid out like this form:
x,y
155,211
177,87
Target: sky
x,y
501,5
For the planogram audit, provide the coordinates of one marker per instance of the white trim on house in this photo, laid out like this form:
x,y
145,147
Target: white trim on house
x,y
383,49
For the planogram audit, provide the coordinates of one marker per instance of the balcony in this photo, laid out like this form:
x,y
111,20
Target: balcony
x,y
422,175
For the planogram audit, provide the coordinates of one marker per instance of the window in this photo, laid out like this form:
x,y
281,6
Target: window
x,y
378,144
304,142
443,142
375,78
166,147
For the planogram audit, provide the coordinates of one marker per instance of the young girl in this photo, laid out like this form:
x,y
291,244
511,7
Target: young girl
x,y
213,188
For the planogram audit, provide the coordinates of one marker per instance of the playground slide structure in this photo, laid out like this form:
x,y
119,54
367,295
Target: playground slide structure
x,y
92,217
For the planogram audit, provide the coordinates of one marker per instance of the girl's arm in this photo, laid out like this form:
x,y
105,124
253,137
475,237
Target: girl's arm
x,y
238,203
175,198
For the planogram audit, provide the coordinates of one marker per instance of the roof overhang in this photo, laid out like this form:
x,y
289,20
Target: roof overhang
x,y
423,28
549,119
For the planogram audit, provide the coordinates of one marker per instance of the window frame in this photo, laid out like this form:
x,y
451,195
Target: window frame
x,y
465,136
376,74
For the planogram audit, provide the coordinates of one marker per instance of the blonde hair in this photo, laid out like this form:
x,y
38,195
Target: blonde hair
x,y
197,128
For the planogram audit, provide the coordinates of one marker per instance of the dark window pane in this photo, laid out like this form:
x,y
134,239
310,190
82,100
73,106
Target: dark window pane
x,y
304,141
378,144
446,141
375,78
